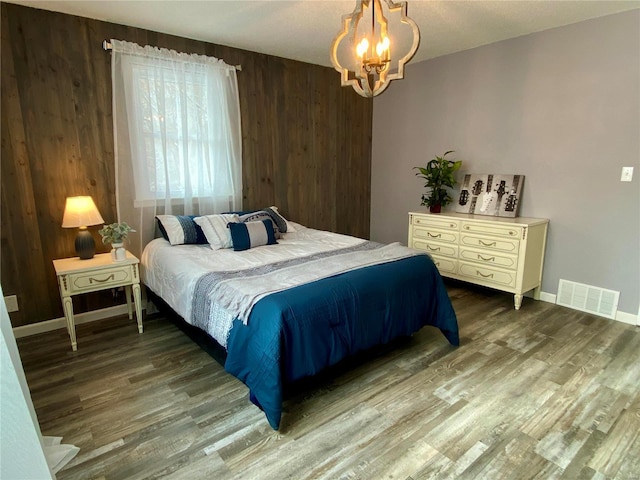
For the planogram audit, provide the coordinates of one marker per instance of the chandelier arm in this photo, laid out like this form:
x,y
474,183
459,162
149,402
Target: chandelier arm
x,y
404,18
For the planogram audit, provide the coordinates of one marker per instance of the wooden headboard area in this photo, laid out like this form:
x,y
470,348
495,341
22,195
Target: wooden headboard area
x,y
306,143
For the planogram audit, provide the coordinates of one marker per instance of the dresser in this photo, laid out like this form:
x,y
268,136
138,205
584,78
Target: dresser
x,y
497,252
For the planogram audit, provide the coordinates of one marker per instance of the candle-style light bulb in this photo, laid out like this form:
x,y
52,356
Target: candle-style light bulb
x,y
385,48
362,47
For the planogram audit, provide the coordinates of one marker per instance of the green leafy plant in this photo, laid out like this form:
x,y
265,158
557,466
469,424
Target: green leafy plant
x,y
115,232
439,176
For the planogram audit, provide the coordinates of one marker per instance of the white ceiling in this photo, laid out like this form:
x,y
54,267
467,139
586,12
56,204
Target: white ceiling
x,y
304,30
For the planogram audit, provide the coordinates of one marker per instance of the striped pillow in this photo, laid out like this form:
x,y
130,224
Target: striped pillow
x,y
180,229
287,225
215,229
252,234
258,216
280,224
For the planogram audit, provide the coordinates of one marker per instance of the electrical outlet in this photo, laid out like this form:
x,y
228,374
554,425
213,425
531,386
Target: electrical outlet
x,y
12,303
627,174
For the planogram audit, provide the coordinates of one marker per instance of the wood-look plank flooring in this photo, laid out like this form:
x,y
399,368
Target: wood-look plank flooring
x,y
545,392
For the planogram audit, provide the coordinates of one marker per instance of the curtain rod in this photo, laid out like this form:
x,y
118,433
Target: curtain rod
x,y
107,46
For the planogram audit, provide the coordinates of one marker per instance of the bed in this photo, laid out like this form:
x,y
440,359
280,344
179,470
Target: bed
x,y
289,310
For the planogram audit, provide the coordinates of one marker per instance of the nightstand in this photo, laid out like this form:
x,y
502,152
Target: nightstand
x,y
77,276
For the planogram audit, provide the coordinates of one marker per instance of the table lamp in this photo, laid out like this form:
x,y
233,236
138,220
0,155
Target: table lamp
x,y
81,212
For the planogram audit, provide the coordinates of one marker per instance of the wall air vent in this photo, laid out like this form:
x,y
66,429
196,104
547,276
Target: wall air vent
x,y
588,298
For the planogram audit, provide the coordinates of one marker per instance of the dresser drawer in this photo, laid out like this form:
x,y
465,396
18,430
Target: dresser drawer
x,y
490,258
444,249
437,235
508,231
98,280
490,244
445,265
487,275
436,222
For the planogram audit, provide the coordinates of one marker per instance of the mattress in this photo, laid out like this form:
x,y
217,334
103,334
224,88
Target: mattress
x,y
287,311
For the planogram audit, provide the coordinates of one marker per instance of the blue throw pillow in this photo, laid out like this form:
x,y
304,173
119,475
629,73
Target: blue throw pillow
x,y
252,234
180,229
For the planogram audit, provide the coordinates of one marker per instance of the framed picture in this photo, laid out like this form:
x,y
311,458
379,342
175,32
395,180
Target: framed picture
x,y
490,194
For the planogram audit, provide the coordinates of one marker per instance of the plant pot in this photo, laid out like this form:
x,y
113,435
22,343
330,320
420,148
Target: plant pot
x,y
118,253
435,208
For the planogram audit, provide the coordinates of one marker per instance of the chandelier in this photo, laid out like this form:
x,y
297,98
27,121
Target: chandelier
x,y
364,60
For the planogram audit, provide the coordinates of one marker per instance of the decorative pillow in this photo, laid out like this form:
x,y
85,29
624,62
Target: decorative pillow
x,y
288,226
180,229
279,222
252,234
253,216
260,215
240,213
215,229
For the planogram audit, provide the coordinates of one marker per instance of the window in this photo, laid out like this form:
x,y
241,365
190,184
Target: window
x,y
179,138
177,133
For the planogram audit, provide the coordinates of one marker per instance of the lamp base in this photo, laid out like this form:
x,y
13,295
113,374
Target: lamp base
x,y
85,245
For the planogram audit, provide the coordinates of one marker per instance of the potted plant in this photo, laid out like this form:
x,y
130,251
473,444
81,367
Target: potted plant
x,y
439,176
115,234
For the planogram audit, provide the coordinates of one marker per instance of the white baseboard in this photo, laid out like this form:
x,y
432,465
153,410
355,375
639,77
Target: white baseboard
x,y
80,318
623,317
629,318
547,297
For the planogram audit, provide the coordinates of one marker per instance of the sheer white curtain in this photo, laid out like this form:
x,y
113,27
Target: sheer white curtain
x,y
177,136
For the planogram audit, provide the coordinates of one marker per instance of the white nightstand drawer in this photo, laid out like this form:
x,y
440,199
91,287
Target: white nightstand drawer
x,y
436,248
490,258
437,235
81,282
488,275
489,244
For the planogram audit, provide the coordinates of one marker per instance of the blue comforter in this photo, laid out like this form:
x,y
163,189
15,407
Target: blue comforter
x,y
299,332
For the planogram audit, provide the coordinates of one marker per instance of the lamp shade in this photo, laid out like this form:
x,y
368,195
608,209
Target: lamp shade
x,y
81,212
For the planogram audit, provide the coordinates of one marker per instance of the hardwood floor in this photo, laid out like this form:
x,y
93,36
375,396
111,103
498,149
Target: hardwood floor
x,y
544,392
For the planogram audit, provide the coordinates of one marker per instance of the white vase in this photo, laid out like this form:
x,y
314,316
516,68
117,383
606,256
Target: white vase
x,y
118,253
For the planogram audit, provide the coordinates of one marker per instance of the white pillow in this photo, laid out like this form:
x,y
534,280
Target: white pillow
x,y
215,229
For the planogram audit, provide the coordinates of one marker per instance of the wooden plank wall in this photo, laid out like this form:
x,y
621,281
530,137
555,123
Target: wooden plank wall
x,y
306,143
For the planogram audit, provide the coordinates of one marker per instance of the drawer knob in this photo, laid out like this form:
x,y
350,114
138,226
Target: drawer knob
x,y
490,259
110,277
434,236
479,273
436,249
492,244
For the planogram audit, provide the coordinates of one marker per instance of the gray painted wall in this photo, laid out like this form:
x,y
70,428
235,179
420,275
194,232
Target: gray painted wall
x,y
561,107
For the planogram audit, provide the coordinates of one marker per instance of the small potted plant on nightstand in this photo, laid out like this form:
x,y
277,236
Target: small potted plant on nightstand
x,y
115,234
439,176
